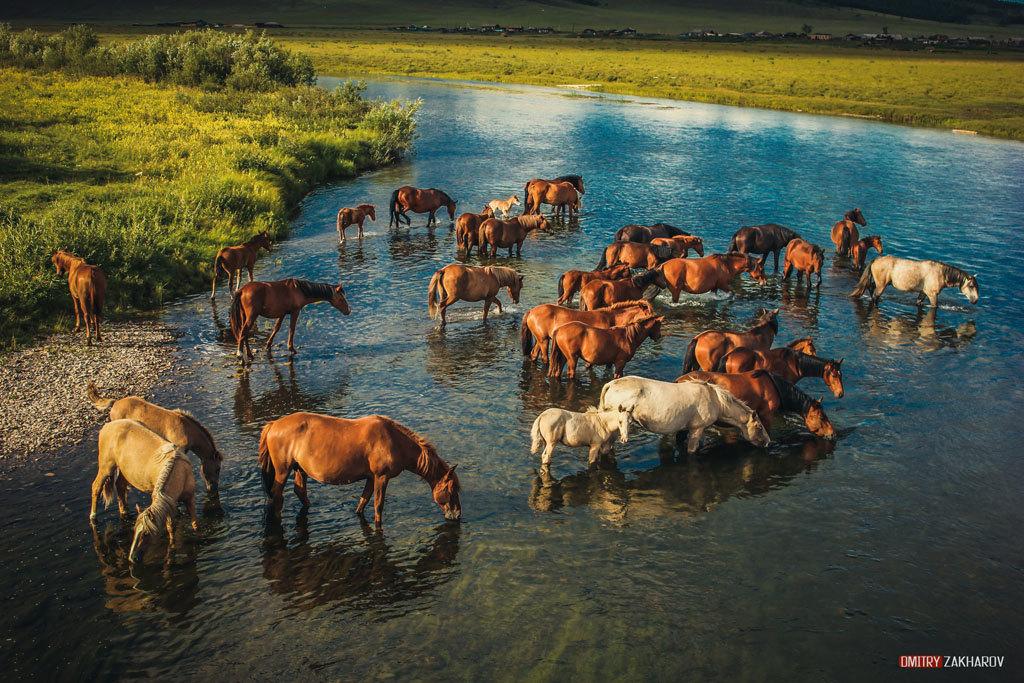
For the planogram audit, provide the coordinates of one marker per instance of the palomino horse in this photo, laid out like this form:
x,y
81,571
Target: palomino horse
x,y
598,345
333,450
928,278
805,258
768,394
680,244
130,454
177,426
88,286
510,233
576,180
707,348
770,238
595,429
646,233
845,234
455,282
355,216
602,293
558,195
634,255
572,280
788,364
407,198
859,250
670,408
505,206
540,322
232,260
709,274
276,300
467,229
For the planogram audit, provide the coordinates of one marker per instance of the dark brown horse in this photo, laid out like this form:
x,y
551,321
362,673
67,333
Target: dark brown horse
x,y
467,229
276,300
407,198
231,260
845,233
600,346
768,394
645,233
859,250
787,363
540,322
332,450
680,244
576,180
602,293
572,280
454,282
355,216
769,238
511,233
708,274
634,255
708,347
88,287
805,258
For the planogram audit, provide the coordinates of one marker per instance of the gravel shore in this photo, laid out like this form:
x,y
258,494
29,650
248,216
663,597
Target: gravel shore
x,y
43,406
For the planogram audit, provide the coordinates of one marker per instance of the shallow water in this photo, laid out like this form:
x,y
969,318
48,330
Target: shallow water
x,y
802,561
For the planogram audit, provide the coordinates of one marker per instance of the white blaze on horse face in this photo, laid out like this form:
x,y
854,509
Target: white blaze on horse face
x,y
624,419
970,290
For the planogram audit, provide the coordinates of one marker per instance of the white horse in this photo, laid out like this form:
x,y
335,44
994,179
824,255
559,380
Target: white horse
x,y
928,278
592,428
496,205
668,408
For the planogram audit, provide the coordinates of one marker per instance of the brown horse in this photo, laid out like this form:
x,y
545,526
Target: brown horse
x,y
600,346
276,300
708,347
805,258
455,282
791,365
511,233
680,244
88,287
540,322
558,195
646,233
572,280
859,250
768,394
232,260
355,216
467,229
769,238
602,293
576,180
407,198
333,450
708,274
845,233
634,255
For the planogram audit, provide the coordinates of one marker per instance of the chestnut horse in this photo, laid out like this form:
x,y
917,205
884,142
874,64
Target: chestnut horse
x,y
645,233
634,255
333,450
540,322
576,180
467,229
787,363
88,287
598,345
769,238
408,198
276,300
511,233
859,250
572,280
455,282
680,244
347,217
231,260
707,348
558,195
845,233
805,258
601,293
708,274
767,394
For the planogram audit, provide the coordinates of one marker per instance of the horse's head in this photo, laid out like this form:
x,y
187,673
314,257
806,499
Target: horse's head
x,y
653,326
451,209
754,431
446,495
817,421
59,258
876,242
857,217
263,240
804,345
756,270
209,468
769,318
581,188
339,301
833,376
145,531
371,211
658,280
515,288
970,288
698,246
818,259
625,417
515,200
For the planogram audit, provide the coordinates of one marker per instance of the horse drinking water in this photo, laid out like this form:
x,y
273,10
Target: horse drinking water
x,y
88,287
408,198
928,278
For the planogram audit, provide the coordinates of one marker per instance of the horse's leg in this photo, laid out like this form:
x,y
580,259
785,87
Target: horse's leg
x,y
97,489
273,332
776,254
300,487
190,506
121,484
619,365
277,490
78,319
380,487
934,298
292,319
431,218
248,268
361,227
365,498
787,269
571,360
693,442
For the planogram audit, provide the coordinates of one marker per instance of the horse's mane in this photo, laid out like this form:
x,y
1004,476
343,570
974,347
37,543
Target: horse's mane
x,y
799,340
192,418
642,303
672,230
506,277
366,206
792,398
660,251
850,215
532,221
723,394
811,366
871,238
576,180
952,274
442,193
314,290
787,234
645,278
428,462
253,239
163,505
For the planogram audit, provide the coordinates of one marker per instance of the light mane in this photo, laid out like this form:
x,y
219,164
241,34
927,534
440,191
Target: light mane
x,y
163,505
642,303
506,277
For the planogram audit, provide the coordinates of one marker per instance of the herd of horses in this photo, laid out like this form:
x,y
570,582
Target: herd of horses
x,y
731,378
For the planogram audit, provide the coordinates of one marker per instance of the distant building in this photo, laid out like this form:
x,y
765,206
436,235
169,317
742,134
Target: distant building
x,y
820,36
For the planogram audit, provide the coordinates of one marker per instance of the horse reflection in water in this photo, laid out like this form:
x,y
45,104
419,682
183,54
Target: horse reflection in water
x,y
918,327
352,573
284,396
686,487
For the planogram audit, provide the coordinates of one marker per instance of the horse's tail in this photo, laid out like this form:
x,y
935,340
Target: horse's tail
x,y
98,402
556,359
393,205
536,440
862,285
603,263
721,363
236,313
526,336
526,199
732,244
108,490
266,464
436,286
690,359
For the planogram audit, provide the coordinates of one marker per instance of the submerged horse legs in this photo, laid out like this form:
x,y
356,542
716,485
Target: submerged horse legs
x,y
293,318
300,487
380,487
365,498
273,332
